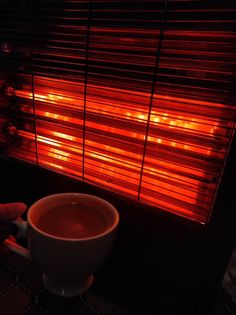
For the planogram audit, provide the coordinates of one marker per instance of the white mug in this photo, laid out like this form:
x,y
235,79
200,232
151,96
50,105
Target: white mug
x,y
67,263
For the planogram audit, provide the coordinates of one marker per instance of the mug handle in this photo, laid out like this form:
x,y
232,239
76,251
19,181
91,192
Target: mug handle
x,y
22,232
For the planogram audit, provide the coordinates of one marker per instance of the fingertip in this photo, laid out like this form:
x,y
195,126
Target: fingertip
x,y
18,208
11,211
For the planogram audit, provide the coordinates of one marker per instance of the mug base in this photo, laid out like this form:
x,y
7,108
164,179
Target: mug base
x,y
67,290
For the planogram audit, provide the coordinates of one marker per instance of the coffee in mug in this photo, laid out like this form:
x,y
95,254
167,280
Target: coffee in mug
x,y
72,221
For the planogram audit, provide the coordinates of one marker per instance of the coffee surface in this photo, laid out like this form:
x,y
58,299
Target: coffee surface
x,y
72,221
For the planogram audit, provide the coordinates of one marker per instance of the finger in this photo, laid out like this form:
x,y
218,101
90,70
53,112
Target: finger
x,y
11,211
4,251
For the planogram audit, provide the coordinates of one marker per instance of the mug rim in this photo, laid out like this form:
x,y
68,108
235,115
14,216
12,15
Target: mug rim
x,y
99,235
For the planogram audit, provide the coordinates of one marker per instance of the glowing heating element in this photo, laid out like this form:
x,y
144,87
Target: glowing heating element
x,y
169,164
134,96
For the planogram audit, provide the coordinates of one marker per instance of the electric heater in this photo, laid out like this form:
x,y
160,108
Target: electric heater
x,y
134,97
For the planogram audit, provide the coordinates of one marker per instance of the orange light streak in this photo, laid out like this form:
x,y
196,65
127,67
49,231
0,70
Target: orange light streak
x,y
59,154
48,98
53,165
63,136
54,116
48,141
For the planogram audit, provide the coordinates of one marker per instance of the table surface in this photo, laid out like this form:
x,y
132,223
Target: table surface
x,y
22,293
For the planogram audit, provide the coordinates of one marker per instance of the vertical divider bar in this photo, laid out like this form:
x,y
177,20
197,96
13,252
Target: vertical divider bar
x,y
32,81
85,84
158,55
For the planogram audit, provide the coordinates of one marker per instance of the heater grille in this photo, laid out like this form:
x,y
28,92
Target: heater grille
x,y
133,96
